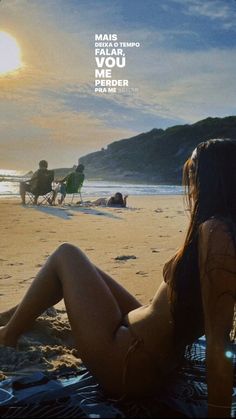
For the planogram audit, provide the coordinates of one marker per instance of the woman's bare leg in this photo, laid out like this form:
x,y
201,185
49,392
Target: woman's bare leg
x,y
6,315
23,191
45,291
125,300
94,313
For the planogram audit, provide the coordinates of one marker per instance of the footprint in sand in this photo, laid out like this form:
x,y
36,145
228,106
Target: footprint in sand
x,y
5,276
142,273
15,264
24,280
125,257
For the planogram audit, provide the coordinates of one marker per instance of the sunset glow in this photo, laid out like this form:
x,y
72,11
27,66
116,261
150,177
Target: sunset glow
x,y
10,54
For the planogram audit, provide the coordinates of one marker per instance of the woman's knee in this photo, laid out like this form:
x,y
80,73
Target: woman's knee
x,y
68,250
64,256
68,261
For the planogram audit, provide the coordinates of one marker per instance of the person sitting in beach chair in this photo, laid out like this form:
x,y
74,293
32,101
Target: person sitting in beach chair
x,y
70,185
132,349
40,184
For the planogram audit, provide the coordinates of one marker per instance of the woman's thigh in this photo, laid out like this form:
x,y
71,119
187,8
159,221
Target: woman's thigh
x,y
135,372
124,298
96,313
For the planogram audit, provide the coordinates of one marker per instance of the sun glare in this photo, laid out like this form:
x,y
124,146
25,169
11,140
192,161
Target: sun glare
x,y
10,54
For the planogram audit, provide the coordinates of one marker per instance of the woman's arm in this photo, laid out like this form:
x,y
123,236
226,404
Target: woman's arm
x,y
217,262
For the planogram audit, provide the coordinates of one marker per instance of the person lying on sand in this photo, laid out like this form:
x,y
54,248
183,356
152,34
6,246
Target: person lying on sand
x,y
117,201
132,348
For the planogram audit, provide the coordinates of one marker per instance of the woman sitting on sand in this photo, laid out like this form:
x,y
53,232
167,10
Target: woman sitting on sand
x,y
131,349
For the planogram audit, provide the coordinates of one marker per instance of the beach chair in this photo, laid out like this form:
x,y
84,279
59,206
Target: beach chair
x,y
42,188
74,185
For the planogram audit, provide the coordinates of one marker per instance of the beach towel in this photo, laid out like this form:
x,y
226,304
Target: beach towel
x,y
75,393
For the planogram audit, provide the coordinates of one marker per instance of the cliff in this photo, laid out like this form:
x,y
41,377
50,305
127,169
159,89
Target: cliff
x,y
156,156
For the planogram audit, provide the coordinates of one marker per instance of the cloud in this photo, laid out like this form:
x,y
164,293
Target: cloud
x,y
50,107
42,125
212,9
183,86
219,10
75,130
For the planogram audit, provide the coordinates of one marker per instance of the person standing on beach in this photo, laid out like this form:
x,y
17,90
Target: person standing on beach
x,y
132,348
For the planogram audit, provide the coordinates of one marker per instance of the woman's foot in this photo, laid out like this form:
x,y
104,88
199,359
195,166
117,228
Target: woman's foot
x,y
6,316
5,340
2,336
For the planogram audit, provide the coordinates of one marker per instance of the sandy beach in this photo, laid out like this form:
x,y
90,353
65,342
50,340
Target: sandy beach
x,y
131,244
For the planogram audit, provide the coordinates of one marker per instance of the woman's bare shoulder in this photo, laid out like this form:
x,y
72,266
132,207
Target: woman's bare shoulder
x,y
214,225
217,233
217,249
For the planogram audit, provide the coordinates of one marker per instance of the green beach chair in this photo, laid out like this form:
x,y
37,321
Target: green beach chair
x,y
74,185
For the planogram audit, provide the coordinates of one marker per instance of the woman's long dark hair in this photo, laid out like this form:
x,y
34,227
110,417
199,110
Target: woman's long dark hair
x,y
209,178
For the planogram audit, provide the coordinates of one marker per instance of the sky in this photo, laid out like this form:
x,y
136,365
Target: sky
x,y
183,71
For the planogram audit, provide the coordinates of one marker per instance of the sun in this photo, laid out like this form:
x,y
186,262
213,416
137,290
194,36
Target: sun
x,y
10,54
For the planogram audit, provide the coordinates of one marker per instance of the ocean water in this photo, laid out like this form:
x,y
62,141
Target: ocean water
x,y
9,187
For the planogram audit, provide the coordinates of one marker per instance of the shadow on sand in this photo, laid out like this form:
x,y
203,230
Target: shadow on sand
x,y
67,212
